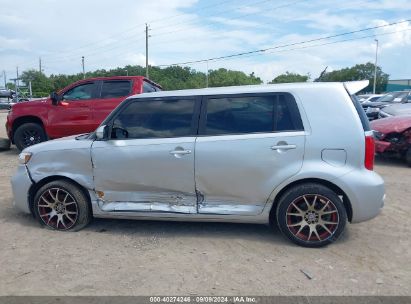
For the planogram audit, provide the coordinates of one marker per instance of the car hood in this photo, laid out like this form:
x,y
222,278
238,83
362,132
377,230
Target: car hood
x,y
34,103
391,124
399,109
65,143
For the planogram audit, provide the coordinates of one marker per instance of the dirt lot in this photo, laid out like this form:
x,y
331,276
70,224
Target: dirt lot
x,y
113,257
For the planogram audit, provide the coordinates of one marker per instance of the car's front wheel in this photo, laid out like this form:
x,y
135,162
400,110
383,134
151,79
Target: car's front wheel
x,y
29,134
62,205
311,215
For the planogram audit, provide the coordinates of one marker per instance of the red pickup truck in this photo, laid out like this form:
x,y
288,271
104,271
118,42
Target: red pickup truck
x,y
78,108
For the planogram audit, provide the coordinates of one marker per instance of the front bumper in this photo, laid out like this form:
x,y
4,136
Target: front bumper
x,y
21,183
365,190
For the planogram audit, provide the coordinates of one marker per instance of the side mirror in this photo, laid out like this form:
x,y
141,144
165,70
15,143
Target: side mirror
x,y
102,132
54,98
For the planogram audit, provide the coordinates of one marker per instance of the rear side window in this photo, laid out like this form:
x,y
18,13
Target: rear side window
x,y
361,113
252,114
148,88
162,118
113,89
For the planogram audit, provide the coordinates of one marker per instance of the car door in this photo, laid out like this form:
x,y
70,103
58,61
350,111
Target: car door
x,y
148,162
73,113
111,94
247,146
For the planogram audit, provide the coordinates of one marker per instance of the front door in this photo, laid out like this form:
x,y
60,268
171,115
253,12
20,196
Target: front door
x,y
148,163
249,145
73,113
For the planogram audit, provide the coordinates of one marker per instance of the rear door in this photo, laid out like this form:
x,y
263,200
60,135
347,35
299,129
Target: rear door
x,y
111,94
73,114
248,145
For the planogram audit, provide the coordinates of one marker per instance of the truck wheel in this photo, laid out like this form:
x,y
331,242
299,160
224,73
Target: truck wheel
x,y
408,156
311,215
29,134
62,205
4,144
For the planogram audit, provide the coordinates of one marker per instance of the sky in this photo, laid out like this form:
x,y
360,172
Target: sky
x,y
111,34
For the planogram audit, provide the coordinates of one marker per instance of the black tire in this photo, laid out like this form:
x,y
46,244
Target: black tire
x,y
408,156
29,134
56,217
4,144
326,207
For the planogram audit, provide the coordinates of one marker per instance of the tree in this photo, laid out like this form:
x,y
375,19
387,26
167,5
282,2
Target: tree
x,y
224,77
40,83
290,77
359,72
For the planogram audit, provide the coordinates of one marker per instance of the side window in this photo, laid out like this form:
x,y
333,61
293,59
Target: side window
x,y
114,89
148,88
159,118
252,114
80,92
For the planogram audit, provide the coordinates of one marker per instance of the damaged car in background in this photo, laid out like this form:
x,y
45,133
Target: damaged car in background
x,y
393,137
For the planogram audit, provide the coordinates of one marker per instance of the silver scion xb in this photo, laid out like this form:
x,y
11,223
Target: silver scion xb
x,y
299,156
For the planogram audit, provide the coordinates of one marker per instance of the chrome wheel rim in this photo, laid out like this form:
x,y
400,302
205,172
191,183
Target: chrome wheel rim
x,y
312,218
57,209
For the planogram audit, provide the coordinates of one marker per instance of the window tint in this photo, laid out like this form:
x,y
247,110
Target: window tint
x,y
155,119
113,89
252,114
81,92
148,88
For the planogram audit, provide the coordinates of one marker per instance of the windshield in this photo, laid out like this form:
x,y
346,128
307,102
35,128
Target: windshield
x,y
390,97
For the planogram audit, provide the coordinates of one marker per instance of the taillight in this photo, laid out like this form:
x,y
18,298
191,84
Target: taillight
x,y
369,152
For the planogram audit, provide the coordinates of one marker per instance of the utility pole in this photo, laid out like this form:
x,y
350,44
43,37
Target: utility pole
x,y
5,81
82,64
147,29
30,90
40,65
207,75
17,84
375,66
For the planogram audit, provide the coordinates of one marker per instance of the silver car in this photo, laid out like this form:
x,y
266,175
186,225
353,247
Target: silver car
x,y
299,156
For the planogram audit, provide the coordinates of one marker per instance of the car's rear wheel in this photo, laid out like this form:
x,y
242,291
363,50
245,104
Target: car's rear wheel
x,y
29,134
62,205
311,215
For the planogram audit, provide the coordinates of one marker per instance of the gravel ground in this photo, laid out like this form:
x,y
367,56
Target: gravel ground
x,y
121,257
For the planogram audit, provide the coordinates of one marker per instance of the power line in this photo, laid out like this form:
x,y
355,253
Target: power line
x,y
233,18
286,45
136,27
324,44
127,37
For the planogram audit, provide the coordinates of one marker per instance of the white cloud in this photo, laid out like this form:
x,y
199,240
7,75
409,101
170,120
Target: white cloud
x,y
109,35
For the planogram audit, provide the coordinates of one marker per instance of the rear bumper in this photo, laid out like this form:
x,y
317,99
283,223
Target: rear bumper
x,y
21,183
366,192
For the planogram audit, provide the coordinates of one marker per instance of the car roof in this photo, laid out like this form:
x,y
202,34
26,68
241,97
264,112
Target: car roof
x,y
266,88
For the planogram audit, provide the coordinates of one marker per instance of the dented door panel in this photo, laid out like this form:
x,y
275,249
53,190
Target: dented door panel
x,y
236,173
144,175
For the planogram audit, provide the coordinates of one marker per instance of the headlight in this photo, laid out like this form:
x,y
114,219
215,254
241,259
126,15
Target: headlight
x,y
24,157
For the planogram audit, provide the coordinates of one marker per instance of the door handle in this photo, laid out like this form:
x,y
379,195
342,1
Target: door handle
x,y
283,147
180,152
